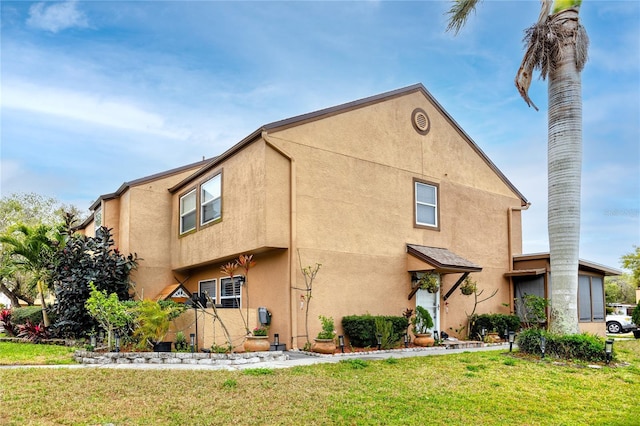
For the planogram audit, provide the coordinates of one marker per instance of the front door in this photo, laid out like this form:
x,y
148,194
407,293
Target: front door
x,y
431,302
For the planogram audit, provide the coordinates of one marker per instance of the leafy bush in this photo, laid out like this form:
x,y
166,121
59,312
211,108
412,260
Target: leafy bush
x,y
181,342
635,315
84,260
28,313
585,347
361,329
328,329
493,323
384,329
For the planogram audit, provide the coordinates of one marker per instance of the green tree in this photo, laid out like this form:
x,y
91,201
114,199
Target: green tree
x,y
33,209
31,250
557,47
619,289
631,261
108,310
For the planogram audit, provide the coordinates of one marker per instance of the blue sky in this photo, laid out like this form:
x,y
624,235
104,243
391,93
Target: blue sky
x,y
96,93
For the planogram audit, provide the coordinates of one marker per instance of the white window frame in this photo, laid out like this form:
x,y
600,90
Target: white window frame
x,y
236,279
422,203
204,203
215,288
192,211
97,218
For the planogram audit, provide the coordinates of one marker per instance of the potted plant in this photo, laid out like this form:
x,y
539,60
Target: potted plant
x,y
429,282
422,325
468,287
152,324
258,340
325,343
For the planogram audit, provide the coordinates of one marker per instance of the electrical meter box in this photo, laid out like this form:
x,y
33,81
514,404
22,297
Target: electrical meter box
x,y
264,316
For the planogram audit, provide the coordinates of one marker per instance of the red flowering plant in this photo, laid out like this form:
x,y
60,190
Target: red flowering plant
x,y
33,332
260,331
5,322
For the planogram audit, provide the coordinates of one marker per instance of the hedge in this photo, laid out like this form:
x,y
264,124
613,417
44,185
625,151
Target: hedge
x,y
361,329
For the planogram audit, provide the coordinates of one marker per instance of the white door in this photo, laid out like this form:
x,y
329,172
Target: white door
x,y
431,302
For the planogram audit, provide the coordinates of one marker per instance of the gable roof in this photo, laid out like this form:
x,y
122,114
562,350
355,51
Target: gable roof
x,y
339,109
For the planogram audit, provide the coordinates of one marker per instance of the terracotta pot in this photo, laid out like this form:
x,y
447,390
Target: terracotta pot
x,y
257,344
324,346
424,340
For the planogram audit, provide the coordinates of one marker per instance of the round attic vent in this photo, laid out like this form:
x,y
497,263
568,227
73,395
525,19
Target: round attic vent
x,y
420,121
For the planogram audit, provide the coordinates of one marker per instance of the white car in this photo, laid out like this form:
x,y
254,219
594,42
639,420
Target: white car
x,y
620,324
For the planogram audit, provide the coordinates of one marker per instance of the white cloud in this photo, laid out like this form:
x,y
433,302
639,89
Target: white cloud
x,y
56,17
88,107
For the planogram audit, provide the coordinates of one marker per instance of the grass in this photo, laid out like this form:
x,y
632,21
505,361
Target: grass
x,y
479,388
32,354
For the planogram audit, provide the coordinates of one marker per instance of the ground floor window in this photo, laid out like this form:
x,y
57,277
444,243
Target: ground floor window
x,y
208,287
590,299
230,292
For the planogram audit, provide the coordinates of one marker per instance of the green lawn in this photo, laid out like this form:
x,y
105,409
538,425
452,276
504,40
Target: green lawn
x,y
480,388
32,354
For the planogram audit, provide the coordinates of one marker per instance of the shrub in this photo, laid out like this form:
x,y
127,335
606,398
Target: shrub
x,y
635,315
328,330
28,313
384,329
584,347
32,332
181,342
493,323
6,323
361,329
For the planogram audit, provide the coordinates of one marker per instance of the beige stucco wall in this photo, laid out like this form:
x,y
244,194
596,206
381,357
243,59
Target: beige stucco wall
x,y
355,201
255,213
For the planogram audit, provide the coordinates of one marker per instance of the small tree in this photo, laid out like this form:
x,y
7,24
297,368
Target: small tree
x,y
309,273
110,313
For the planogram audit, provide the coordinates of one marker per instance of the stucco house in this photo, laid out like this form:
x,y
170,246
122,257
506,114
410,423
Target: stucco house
x,y
378,191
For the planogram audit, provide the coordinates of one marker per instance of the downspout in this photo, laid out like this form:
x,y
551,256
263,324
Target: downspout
x,y
510,247
293,321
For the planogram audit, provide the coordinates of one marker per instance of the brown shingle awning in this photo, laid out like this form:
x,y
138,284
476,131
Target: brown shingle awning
x,y
525,272
441,260
176,292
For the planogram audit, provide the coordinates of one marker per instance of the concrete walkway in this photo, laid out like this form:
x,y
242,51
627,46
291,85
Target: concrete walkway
x,y
295,358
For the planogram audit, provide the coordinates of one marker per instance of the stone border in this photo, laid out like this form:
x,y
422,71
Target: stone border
x,y
173,358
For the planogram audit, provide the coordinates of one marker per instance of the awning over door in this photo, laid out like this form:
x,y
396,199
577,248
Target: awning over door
x,y
440,261
175,292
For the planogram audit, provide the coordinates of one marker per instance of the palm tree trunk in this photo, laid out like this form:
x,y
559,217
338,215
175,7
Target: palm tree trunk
x,y
565,164
45,317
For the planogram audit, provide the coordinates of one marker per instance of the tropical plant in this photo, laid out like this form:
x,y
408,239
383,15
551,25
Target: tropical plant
x,y
328,330
5,322
152,322
556,46
32,250
33,332
422,322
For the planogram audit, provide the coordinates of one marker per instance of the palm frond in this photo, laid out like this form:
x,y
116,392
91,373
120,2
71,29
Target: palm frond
x,y
459,13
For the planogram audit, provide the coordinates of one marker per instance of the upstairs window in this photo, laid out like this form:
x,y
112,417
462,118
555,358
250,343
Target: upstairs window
x,y
188,212
426,201
210,201
97,218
